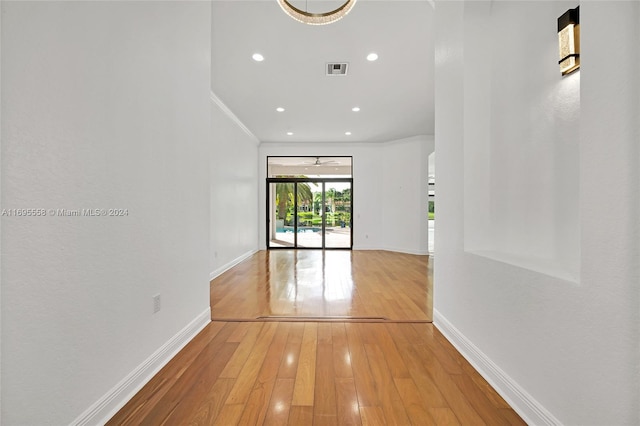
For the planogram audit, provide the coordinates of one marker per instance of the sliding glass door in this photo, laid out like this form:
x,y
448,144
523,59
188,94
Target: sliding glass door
x,y
309,202
309,213
281,222
309,232
337,214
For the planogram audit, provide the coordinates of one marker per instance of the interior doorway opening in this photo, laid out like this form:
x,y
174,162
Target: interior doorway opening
x,y
432,202
309,202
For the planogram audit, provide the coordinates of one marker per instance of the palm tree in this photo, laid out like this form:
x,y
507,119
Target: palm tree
x,y
317,203
284,196
330,199
330,196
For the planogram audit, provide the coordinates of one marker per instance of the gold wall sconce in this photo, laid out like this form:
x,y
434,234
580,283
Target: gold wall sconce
x,y
569,40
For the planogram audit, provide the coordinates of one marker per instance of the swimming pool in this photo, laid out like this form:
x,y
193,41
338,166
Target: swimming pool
x,y
300,229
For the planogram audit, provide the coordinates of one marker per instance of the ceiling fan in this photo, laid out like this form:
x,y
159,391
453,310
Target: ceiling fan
x,y
318,163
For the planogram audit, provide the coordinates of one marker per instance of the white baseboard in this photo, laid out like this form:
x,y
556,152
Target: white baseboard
x,y
394,249
224,268
107,406
524,404
406,251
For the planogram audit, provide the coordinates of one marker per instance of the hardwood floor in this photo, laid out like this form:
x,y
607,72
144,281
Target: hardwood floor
x,y
323,284
294,373
298,373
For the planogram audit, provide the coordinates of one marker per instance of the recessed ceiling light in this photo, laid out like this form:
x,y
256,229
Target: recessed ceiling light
x,y
280,109
347,133
258,57
289,133
355,109
372,56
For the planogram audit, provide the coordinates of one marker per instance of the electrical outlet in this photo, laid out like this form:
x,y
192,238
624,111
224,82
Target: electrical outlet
x,y
156,303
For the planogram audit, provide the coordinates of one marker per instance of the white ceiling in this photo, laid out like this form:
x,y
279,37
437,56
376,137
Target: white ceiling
x,y
395,93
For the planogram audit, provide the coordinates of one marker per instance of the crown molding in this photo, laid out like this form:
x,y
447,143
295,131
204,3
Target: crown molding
x,y
225,109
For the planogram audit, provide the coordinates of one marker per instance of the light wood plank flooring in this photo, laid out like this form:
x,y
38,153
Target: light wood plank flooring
x,y
390,372
324,284
315,373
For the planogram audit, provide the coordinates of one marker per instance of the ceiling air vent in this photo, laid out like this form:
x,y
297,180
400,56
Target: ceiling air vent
x,y
337,68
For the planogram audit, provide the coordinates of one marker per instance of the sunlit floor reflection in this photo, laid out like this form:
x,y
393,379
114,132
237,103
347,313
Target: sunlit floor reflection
x,y
318,283
335,237
317,277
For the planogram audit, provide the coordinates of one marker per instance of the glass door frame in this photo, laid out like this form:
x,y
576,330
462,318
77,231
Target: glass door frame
x,y
296,181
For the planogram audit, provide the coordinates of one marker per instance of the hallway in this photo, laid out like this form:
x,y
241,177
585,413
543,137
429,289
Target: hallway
x,y
157,114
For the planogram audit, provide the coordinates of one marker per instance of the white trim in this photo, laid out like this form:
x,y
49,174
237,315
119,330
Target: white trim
x,y
408,139
405,251
357,247
105,408
225,109
531,411
224,268
394,250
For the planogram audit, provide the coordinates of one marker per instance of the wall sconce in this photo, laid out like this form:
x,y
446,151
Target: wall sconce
x,y
569,40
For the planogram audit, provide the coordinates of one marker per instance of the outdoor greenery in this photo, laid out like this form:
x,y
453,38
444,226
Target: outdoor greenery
x,y
337,205
285,202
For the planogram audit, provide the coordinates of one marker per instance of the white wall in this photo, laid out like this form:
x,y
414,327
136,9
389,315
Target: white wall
x,y
404,196
521,146
389,190
559,338
106,105
1,206
234,191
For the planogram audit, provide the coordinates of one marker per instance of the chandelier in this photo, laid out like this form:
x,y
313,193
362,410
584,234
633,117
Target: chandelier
x,y
316,18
